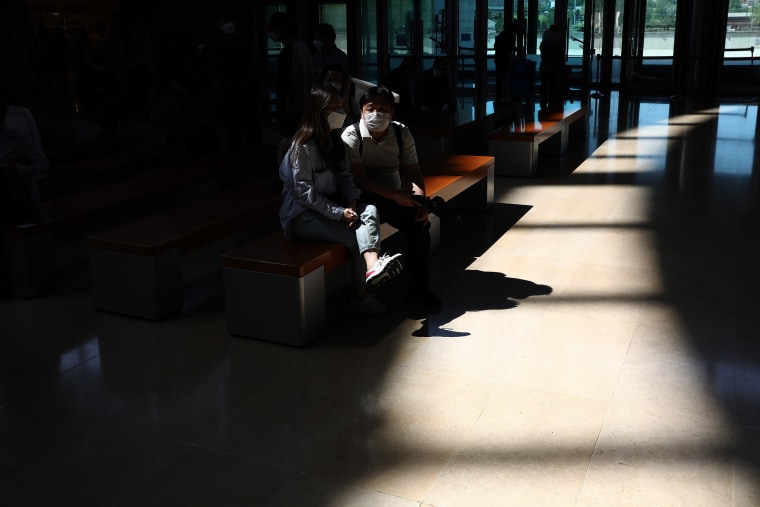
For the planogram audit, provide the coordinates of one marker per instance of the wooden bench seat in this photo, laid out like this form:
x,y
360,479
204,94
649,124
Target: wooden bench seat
x,y
73,150
105,168
516,149
477,171
293,273
135,268
31,256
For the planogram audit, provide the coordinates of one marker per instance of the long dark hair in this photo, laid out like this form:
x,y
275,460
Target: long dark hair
x,y
314,127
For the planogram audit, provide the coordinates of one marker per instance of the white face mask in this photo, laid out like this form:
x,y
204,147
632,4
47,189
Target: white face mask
x,y
318,45
228,28
376,121
335,120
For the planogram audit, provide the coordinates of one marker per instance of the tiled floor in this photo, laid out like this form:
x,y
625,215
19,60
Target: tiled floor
x,y
598,345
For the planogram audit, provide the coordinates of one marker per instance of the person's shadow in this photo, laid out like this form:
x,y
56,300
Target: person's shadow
x,y
475,291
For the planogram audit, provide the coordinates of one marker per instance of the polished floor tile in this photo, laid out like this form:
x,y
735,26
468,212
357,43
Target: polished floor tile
x,y
597,346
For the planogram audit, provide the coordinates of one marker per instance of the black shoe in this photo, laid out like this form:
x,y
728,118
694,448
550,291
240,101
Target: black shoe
x,y
424,298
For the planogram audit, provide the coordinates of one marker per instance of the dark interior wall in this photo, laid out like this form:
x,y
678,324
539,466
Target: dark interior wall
x,y
161,35
15,47
170,33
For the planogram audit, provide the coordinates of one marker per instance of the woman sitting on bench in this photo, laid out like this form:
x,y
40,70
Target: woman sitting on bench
x,y
320,199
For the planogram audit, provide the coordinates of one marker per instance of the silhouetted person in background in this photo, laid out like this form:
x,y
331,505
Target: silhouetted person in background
x,y
59,64
295,73
327,52
228,64
433,94
504,47
552,65
22,165
98,91
333,75
79,57
168,102
403,81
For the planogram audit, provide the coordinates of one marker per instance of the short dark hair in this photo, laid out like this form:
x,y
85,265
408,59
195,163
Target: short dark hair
x,y
376,92
333,67
326,31
280,21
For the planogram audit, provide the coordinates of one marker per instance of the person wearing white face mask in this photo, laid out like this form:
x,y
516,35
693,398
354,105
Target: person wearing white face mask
x,y
334,76
327,52
320,201
383,160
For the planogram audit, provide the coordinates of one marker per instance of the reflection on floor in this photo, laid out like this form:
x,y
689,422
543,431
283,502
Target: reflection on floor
x,y
597,346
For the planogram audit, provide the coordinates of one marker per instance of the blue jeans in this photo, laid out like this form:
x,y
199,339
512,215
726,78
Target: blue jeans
x,y
417,254
313,226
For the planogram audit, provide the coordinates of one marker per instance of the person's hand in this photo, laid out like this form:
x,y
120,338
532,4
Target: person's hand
x,y
405,198
421,214
350,217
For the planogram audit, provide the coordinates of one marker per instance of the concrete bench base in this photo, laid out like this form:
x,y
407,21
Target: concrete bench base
x,y
145,287
136,268
279,308
516,152
275,289
30,264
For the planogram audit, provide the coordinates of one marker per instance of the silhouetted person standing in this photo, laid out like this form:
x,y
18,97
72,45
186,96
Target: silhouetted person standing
x,y
433,94
98,92
504,47
22,165
403,81
327,52
295,73
228,64
551,68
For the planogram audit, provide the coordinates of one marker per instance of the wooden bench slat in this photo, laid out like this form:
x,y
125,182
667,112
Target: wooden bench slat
x,y
32,248
273,253
99,205
196,223
458,164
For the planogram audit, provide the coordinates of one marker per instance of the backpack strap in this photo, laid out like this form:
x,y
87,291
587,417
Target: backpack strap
x,y
361,141
396,129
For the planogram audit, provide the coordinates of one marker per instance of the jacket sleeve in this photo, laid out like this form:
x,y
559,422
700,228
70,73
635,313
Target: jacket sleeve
x,y
305,186
346,184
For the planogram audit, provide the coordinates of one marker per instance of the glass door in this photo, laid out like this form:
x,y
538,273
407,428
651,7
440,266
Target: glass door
x,y
368,40
740,68
647,45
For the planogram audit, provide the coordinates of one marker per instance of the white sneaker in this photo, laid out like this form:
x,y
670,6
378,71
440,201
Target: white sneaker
x,y
368,305
385,268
